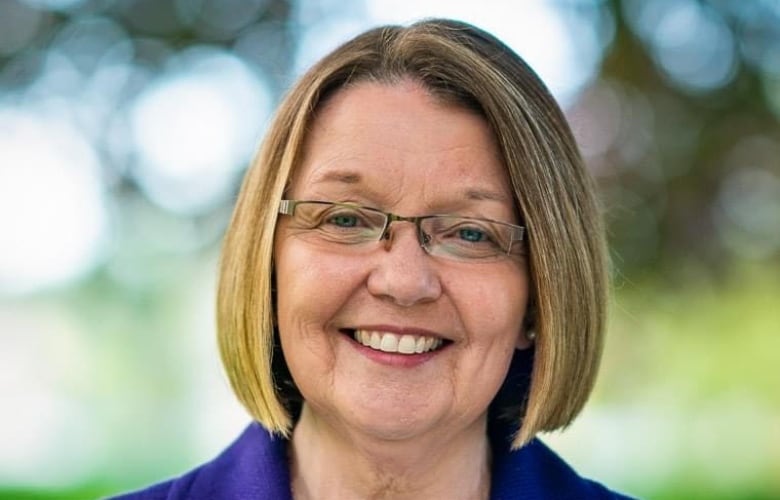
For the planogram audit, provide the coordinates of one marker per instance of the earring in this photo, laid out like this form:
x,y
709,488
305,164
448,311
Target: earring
x,y
530,334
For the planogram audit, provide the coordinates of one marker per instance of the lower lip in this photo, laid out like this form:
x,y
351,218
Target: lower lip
x,y
394,358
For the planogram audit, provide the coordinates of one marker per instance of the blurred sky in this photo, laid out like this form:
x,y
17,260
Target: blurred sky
x,y
122,143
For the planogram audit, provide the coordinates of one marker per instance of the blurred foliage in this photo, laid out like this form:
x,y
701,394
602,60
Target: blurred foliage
x,y
83,493
699,363
691,176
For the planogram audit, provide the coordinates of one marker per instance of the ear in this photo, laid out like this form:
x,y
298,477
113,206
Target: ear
x,y
527,334
525,338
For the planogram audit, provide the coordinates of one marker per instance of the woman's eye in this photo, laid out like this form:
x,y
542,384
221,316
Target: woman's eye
x,y
344,220
472,235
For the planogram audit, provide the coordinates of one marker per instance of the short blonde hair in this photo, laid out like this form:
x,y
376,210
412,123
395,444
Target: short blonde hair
x,y
463,65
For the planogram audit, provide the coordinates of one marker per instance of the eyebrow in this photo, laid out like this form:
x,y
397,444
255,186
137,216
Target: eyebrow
x,y
342,176
352,177
485,194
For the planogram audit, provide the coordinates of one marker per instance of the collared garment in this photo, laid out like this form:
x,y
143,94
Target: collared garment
x,y
255,467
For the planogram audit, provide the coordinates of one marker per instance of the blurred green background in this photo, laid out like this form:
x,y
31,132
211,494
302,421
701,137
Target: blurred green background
x,y
125,127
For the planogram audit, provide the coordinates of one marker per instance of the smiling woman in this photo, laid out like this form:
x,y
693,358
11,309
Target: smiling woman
x,y
413,283
416,156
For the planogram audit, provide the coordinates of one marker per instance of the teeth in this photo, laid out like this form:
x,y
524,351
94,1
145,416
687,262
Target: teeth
x,y
391,342
406,345
375,342
420,345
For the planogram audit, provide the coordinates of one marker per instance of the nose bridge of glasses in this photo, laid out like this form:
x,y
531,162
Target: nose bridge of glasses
x,y
390,218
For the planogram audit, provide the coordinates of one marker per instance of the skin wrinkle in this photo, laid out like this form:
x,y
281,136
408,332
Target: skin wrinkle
x,y
351,177
351,185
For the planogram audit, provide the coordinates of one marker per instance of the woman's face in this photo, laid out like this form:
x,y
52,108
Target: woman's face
x,y
395,148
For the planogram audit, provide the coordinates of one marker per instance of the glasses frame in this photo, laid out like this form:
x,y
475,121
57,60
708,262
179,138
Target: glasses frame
x,y
287,207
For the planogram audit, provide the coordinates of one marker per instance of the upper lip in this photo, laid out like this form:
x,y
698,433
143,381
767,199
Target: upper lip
x,y
400,330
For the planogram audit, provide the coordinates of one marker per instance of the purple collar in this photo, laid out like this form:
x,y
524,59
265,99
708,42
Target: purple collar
x,y
255,467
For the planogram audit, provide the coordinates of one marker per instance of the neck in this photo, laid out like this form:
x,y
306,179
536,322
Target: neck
x,y
326,463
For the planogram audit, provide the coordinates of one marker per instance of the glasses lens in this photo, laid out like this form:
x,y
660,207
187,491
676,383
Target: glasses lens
x,y
341,223
466,238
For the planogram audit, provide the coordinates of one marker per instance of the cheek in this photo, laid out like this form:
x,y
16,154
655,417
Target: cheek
x,y
310,287
493,307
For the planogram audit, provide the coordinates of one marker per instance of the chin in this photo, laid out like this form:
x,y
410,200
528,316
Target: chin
x,y
392,429
394,420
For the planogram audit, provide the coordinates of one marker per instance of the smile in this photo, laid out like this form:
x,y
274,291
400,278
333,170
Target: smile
x,y
394,343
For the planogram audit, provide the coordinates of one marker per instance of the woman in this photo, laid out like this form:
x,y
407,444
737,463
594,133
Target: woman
x,y
413,283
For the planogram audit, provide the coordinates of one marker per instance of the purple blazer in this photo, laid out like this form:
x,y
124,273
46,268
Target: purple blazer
x,y
255,467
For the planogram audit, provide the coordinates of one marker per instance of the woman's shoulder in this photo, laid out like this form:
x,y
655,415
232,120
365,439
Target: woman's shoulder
x,y
536,472
253,466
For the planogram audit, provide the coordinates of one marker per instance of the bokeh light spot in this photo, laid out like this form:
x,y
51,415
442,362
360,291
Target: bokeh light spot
x,y
690,42
195,127
57,5
52,210
566,61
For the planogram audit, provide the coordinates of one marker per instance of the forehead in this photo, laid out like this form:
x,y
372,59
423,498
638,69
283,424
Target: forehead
x,y
394,138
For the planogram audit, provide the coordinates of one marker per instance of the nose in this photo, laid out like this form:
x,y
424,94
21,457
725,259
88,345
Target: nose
x,y
404,272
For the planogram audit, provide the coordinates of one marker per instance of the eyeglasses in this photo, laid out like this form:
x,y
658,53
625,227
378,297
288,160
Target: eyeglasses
x,y
450,236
